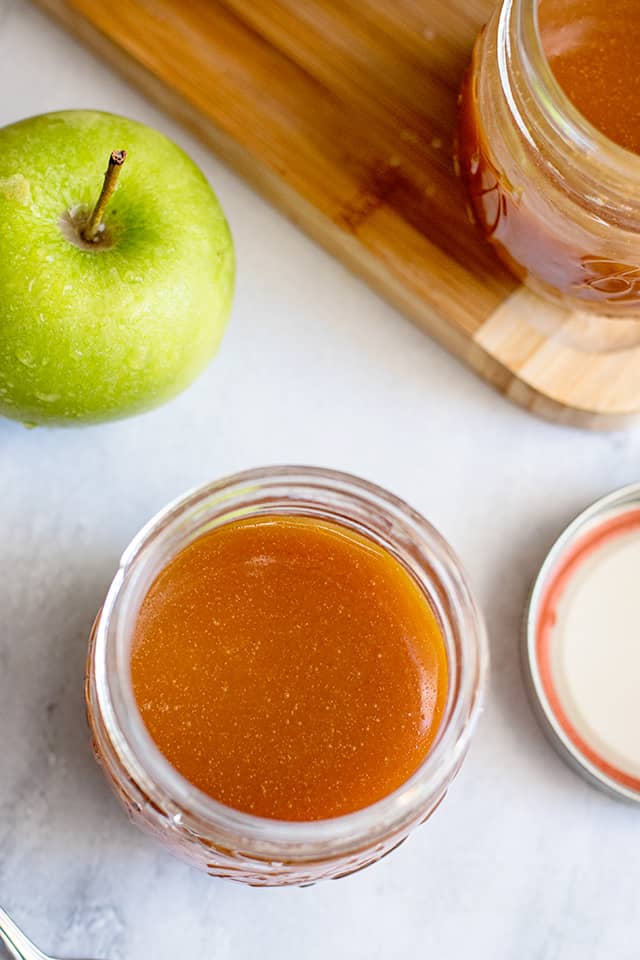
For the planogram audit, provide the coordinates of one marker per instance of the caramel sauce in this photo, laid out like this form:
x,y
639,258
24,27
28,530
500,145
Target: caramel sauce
x,y
593,50
289,667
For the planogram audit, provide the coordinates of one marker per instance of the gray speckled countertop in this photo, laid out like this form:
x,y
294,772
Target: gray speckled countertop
x,y
523,860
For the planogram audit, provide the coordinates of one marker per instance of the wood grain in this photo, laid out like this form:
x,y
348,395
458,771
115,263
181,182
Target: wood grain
x,y
343,113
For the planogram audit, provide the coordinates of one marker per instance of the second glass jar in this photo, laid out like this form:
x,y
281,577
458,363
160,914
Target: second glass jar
x,y
558,200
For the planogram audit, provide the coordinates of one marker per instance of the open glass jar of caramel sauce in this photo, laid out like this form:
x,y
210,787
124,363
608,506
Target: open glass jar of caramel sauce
x,y
549,148
285,675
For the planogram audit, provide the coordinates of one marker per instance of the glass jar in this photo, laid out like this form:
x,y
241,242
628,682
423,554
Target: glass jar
x,y
226,842
558,200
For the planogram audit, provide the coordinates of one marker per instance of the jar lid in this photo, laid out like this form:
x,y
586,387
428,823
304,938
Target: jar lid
x,y
581,644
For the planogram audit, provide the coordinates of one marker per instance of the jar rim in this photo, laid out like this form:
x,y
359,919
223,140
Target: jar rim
x,y
519,20
167,789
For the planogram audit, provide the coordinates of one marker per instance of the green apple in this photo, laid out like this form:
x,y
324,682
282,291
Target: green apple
x,y
104,316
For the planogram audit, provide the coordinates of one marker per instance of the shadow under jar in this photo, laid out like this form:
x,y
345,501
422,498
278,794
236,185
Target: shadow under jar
x,y
219,838
548,137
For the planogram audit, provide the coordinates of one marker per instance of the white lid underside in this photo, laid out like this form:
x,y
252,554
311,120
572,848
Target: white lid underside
x,y
595,651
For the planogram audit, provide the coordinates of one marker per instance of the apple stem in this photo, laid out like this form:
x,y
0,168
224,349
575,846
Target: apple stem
x,y
91,230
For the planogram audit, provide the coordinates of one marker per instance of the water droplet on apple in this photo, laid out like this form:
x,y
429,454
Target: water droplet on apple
x,y
47,397
26,358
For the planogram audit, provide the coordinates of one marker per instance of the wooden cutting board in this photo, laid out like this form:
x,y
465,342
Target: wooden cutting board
x,y
343,113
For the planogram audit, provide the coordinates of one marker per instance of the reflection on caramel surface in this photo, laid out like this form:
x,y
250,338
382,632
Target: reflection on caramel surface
x,y
289,668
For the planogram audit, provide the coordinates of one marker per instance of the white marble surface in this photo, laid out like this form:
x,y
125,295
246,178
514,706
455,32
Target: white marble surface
x,y
523,860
